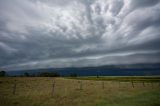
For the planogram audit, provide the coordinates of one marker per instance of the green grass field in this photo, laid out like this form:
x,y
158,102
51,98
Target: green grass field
x,y
104,91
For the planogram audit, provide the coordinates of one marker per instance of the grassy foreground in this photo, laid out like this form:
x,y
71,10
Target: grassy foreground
x,y
70,92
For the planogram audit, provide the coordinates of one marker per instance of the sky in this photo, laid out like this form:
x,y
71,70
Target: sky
x,y
78,33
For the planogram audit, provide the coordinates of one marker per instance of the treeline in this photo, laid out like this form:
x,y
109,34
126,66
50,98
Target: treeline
x,y
40,74
48,74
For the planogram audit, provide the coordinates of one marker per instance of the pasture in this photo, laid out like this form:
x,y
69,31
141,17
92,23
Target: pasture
x,y
82,91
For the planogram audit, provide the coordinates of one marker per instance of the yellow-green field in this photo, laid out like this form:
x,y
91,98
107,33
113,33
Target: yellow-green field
x,y
38,91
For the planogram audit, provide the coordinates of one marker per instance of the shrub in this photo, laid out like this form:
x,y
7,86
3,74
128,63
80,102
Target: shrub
x,y
2,73
48,74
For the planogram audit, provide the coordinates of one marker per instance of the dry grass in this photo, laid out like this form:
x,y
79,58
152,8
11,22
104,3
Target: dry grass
x,y
67,92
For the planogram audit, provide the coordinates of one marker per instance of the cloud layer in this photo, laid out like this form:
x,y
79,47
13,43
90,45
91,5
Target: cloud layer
x,y
66,33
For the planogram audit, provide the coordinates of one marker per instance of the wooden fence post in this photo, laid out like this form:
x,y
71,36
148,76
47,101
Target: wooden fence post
x,y
102,84
14,87
53,87
132,84
143,84
80,85
152,84
119,83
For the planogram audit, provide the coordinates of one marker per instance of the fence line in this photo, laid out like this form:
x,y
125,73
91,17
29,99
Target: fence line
x,y
81,84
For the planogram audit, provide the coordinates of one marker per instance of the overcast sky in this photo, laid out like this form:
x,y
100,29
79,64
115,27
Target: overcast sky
x,y
77,33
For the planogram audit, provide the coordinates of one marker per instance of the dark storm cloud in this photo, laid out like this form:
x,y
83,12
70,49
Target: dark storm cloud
x,y
143,3
63,33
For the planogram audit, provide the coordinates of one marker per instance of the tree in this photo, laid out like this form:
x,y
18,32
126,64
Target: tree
x,y
26,74
73,75
48,74
2,73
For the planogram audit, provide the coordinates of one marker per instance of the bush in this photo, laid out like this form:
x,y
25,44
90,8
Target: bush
x,y
2,73
26,74
48,74
73,75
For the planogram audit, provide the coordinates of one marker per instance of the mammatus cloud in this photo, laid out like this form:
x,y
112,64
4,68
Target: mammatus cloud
x,y
77,33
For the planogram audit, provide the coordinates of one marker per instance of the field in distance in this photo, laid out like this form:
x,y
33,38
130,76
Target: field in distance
x,y
81,91
121,78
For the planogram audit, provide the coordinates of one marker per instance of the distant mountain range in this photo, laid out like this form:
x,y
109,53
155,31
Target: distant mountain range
x,y
106,70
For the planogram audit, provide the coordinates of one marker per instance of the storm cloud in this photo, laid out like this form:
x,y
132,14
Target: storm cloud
x,y
78,33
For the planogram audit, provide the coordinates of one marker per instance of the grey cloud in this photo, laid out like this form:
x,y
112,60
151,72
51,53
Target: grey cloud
x,y
62,33
116,6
